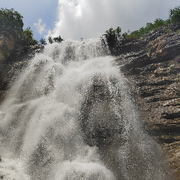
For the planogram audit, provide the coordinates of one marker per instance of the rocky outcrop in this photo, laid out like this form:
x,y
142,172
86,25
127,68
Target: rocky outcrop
x,y
154,75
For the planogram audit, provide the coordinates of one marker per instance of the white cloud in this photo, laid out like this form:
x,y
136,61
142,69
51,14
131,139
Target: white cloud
x,y
41,28
91,18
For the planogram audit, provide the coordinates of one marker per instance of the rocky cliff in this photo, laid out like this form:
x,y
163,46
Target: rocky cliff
x,y
152,67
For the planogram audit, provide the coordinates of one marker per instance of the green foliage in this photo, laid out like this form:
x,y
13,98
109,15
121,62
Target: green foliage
x,y
113,37
173,17
9,18
167,21
56,39
176,80
27,37
50,40
43,41
129,36
115,40
175,14
136,34
149,27
114,33
158,23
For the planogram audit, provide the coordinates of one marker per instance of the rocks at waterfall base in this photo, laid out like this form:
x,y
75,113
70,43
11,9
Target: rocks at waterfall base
x,y
154,75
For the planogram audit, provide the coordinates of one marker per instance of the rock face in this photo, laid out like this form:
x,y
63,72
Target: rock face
x,y
154,75
13,59
7,43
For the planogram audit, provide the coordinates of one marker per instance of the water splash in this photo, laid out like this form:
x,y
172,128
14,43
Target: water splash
x,y
70,116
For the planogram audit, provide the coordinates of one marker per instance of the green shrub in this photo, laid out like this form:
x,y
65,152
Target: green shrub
x,y
43,41
58,39
175,14
27,37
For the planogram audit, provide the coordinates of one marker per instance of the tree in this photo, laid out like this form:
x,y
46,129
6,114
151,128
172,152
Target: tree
x,y
27,37
58,39
158,23
43,41
9,18
113,37
114,33
50,40
136,34
149,27
175,14
12,20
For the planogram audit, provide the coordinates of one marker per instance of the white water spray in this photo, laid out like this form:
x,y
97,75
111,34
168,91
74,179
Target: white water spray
x,y
70,117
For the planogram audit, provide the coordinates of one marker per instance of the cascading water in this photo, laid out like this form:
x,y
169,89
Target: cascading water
x,y
70,116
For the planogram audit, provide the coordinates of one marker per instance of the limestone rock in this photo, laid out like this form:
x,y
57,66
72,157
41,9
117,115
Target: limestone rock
x,y
155,74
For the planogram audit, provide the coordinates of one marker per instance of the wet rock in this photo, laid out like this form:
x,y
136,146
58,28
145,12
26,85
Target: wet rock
x,y
14,64
98,122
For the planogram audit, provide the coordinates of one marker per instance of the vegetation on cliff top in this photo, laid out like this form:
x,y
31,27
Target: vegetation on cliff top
x,y
11,19
174,16
115,39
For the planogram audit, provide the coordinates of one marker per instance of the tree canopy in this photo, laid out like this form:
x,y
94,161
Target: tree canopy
x,y
175,14
11,19
27,37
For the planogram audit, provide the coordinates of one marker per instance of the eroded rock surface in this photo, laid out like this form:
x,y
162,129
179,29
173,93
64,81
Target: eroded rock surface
x,y
154,75
7,43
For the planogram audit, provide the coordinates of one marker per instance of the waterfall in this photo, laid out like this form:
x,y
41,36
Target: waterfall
x,y
70,116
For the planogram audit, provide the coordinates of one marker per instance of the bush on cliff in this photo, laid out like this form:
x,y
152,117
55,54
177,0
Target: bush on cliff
x,y
58,39
113,37
27,37
175,15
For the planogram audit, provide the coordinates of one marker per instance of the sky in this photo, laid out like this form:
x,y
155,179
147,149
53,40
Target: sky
x,y
76,19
